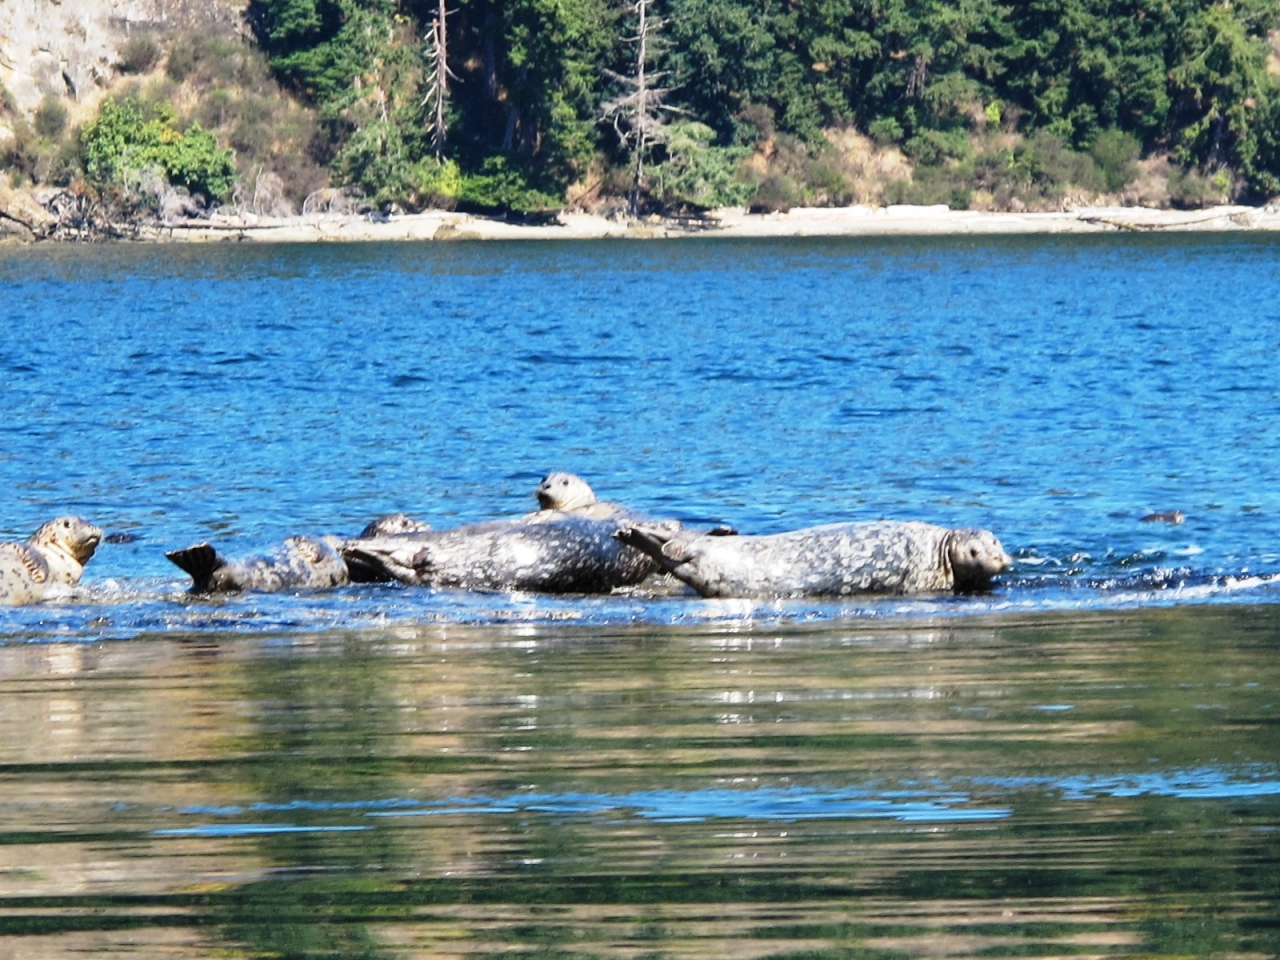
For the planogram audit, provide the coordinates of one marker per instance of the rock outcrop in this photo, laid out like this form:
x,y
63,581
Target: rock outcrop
x,y
71,48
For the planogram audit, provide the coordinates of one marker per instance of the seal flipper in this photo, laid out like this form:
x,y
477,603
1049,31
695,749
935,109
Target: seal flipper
x,y
377,561
201,562
659,543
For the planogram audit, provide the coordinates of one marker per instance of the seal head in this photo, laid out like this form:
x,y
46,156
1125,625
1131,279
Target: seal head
x,y
391,524
67,544
565,492
976,558
54,556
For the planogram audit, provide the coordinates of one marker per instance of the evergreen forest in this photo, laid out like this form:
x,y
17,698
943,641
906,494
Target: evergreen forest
x,y
678,106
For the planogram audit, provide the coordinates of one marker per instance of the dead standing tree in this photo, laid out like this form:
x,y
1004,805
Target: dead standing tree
x,y
637,113
438,76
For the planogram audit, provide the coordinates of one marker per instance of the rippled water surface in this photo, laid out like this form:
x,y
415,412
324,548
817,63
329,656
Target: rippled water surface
x,y
1083,763
1053,390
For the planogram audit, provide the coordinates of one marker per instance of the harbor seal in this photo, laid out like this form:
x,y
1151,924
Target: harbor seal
x,y
569,493
301,563
839,559
567,546
564,492
393,523
546,552
53,556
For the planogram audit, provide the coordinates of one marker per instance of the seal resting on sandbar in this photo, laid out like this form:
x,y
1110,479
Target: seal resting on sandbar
x,y
566,547
301,563
839,559
53,556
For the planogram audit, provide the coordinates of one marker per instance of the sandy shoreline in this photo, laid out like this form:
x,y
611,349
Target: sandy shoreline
x,y
857,221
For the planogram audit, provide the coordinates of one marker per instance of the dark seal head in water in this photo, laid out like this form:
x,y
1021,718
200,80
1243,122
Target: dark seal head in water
x,y
545,552
53,555
839,559
301,563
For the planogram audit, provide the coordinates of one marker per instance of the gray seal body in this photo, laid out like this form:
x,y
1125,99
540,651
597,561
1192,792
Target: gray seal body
x,y
839,559
301,563
546,552
567,546
52,557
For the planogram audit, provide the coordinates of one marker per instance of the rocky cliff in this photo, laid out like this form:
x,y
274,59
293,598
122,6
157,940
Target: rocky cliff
x,y
70,48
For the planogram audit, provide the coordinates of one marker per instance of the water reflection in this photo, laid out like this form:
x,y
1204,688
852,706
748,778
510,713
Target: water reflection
x,y
1084,783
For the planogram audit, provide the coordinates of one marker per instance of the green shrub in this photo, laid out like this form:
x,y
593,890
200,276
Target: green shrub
x,y
437,184
755,123
950,185
1116,154
1192,190
885,131
50,120
932,147
217,61
1057,167
697,174
217,108
499,186
20,154
139,54
124,140
1034,171
376,159
776,193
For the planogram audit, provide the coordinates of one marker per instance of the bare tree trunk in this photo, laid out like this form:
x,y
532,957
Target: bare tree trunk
x,y
438,78
642,104
442,69
637,112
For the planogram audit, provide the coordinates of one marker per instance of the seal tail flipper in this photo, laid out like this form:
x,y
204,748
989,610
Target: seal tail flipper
x,y
200,562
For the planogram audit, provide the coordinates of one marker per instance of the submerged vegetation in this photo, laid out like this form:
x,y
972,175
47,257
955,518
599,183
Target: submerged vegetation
x,y
526,106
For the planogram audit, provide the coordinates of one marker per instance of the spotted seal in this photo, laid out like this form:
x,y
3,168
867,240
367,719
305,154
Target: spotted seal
x,y
393,523
569,493
53,556
839,559
567,546
301,563
559,553
564,491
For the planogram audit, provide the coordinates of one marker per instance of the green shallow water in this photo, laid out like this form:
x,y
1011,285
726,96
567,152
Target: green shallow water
x,y
1082,784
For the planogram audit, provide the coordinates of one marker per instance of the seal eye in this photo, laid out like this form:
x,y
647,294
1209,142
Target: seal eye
x,y
973,552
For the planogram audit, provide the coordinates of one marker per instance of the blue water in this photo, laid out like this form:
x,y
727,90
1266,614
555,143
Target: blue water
x,y
1054,390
